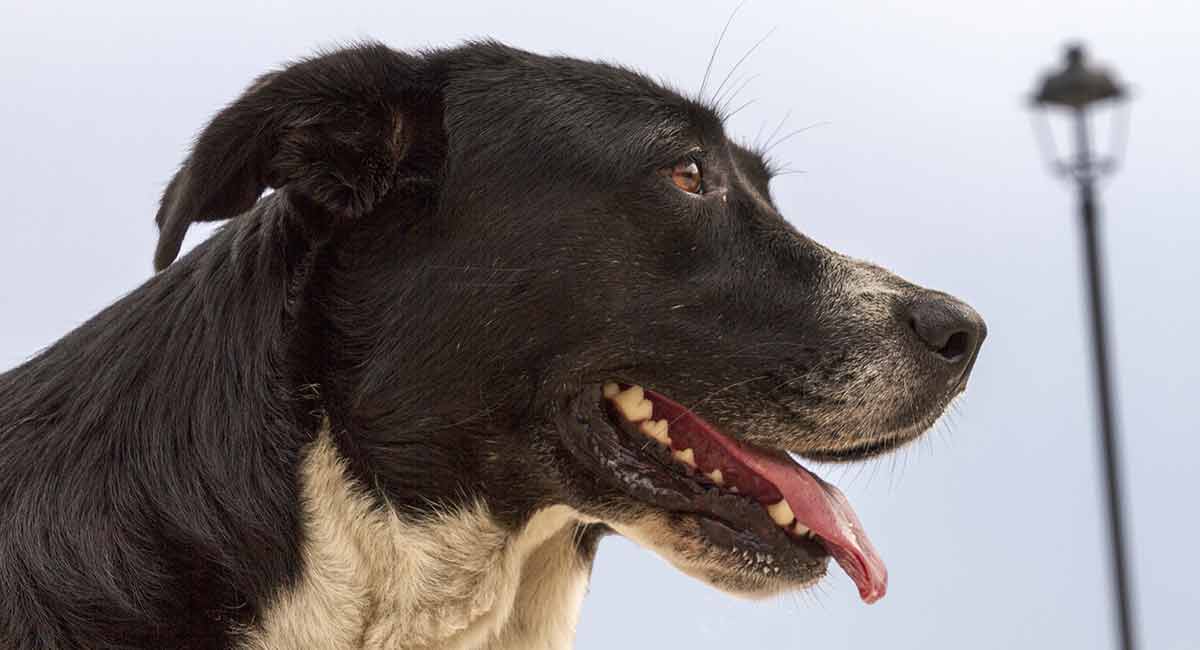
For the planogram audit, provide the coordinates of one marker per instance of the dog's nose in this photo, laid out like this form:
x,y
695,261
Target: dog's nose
x,y
948,328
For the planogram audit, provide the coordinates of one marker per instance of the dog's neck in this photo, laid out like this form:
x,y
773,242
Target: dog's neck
x,y
455,579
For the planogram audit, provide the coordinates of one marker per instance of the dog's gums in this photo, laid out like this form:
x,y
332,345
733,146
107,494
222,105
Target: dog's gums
x,y
796,500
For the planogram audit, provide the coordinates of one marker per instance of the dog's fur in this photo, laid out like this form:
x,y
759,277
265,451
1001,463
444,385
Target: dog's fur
x,y
453,579
338,423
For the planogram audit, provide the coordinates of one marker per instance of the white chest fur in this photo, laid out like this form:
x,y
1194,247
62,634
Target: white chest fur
x,y
455,581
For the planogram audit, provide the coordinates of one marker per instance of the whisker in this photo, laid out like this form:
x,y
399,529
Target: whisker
x,y
892,473
793,134
739,109
721,390
717,47
467,267
743,59
724,102
775,132
758,134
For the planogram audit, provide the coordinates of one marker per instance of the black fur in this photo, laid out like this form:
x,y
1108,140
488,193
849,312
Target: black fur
x,y
457,244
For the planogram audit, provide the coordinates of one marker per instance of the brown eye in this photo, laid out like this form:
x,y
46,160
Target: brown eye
x,y
686,176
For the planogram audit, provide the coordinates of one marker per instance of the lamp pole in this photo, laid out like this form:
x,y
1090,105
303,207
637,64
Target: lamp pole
x,y
1108,425
1077,87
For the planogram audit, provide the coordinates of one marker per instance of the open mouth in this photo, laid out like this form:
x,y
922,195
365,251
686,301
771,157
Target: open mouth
x,y
758,493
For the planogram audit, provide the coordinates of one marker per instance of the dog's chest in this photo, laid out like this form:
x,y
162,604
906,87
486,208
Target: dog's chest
x,y
455,581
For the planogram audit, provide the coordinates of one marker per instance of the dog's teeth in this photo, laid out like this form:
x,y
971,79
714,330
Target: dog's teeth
x,y
632,404
687,457
656,429
781,513
634,393
610,390
716,477
800,529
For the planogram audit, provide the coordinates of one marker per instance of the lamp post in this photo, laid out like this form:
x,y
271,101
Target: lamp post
x,y
1076,88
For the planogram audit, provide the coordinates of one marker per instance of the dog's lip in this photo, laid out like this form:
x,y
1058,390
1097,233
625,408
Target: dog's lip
x,y
857,452
817,505
646,473
883,442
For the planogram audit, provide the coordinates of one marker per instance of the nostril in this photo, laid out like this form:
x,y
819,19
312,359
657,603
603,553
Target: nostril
x,y
945,327
955,347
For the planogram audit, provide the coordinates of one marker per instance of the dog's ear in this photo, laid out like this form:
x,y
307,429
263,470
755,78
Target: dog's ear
x,y
336,129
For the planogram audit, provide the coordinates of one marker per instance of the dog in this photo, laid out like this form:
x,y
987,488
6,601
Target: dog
x,y
473,310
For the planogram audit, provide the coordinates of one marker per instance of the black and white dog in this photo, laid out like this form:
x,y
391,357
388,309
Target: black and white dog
x,y
498,306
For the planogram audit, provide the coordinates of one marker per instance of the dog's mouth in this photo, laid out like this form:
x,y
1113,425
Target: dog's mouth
x,y
671,458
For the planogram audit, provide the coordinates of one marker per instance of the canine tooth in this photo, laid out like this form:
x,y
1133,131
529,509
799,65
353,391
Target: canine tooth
x,y
687,457
610,390
632,404
781,513
656,429
634,392
715,476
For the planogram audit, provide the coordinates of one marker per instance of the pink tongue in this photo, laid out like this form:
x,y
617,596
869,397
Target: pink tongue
x,y
817,505
824,510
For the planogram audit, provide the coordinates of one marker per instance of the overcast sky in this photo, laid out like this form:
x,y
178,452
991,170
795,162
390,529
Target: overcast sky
x,y
922,159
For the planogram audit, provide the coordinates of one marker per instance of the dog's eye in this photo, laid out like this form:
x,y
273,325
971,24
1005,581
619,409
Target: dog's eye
x,y
686,176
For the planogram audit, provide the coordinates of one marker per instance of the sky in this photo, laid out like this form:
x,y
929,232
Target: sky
x,y
920,157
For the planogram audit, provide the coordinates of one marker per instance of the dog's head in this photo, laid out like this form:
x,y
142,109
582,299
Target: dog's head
x,y
536,280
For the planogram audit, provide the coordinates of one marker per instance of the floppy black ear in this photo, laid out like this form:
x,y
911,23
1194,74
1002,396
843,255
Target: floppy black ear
x,y
334,128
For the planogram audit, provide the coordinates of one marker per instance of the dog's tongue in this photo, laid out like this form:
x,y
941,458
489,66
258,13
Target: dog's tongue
x,y
817,505
826,512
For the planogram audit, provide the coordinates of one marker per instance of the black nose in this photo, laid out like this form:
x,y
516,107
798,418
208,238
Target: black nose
x,y
948,328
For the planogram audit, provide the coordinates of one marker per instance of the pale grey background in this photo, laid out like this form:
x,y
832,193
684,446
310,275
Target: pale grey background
x,y
991,527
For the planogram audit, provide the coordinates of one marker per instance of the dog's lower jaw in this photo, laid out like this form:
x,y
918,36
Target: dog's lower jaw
x,y
744,573
455,581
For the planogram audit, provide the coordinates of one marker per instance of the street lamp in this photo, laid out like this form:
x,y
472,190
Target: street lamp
x,y
1076,88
